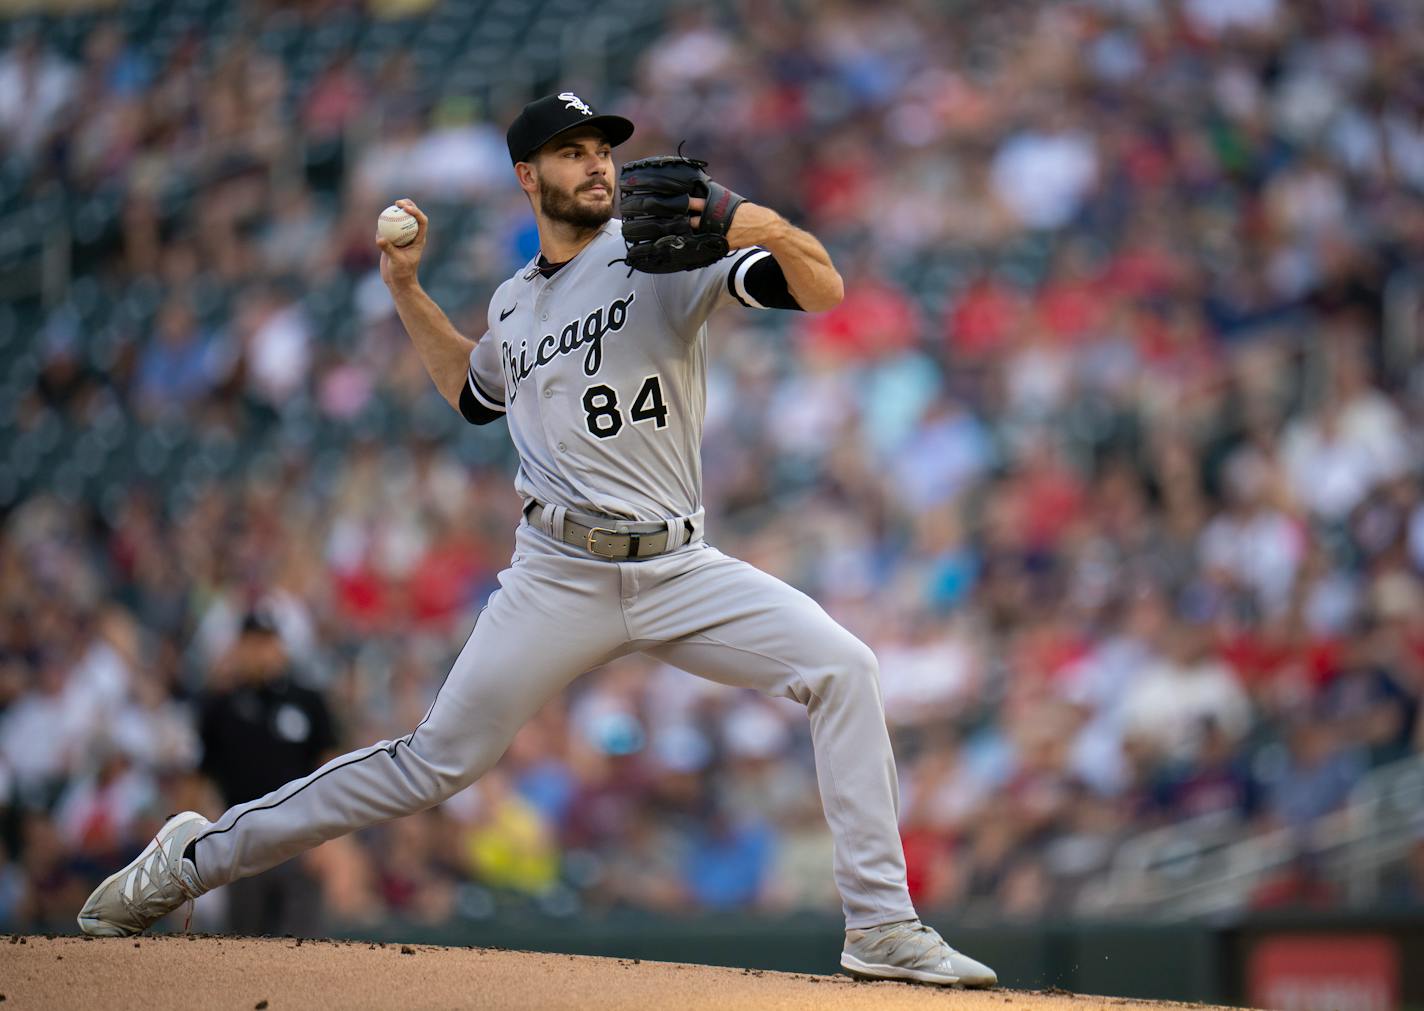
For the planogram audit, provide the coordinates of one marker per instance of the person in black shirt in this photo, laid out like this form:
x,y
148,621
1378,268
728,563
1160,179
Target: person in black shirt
x,y
259,731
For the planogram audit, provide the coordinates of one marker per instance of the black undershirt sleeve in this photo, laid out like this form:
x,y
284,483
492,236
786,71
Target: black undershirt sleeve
x,y
475,412
766,284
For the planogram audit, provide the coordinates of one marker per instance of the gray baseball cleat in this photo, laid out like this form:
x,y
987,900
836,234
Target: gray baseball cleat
x,y
158,882
910,950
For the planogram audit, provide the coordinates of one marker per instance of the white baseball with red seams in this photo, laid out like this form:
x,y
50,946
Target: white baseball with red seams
x,y
397,226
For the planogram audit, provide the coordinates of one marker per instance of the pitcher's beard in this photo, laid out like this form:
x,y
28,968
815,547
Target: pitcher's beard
x,y
562,206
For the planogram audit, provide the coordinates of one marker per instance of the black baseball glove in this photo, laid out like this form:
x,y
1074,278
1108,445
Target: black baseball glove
x,y
657,225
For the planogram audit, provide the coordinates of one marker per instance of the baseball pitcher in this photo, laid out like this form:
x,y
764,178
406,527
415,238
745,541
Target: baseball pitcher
x,y
596,355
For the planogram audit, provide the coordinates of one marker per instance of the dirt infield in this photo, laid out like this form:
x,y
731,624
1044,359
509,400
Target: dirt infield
x,y
183,972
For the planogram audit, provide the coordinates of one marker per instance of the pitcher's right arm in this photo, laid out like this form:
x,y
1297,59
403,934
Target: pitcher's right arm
x,y
445,352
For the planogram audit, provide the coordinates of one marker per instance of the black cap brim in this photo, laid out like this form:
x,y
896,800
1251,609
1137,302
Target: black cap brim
x,y
615,128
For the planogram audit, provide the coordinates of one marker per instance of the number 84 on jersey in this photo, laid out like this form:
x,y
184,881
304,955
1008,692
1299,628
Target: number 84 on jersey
x,y
604,416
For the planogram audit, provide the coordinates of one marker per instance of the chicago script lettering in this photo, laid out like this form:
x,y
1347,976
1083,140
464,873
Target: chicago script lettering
x,y
588,332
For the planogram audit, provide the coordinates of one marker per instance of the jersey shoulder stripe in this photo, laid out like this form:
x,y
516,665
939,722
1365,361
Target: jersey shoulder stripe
x,y
737,277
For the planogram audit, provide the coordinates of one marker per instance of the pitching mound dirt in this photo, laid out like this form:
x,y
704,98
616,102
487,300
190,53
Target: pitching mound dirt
x,y
178,972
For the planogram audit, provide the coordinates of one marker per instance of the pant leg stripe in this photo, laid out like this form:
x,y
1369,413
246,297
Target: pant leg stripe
x,y
376,750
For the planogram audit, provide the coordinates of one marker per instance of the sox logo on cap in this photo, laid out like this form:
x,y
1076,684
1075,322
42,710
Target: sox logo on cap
x,y
572,101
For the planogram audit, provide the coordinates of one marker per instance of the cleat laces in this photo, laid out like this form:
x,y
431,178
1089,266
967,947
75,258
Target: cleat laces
x,y
149,904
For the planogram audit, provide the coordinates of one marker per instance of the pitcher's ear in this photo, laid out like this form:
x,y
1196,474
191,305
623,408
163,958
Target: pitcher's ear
x,y
527,175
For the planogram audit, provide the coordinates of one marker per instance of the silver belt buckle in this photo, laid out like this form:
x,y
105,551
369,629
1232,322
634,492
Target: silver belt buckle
x,y
588,541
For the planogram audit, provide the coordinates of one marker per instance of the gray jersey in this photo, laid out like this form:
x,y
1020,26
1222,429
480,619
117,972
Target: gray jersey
x,y
603,377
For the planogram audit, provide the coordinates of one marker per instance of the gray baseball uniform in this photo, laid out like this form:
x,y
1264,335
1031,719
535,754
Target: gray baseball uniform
x,y
602,376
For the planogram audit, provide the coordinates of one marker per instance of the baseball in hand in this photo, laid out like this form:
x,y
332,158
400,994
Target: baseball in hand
x,y
397,226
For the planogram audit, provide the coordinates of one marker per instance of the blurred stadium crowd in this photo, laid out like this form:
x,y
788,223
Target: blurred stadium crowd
x,y
1109,452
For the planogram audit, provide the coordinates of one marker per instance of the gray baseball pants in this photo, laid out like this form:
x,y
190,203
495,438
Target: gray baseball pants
x,y
559,613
